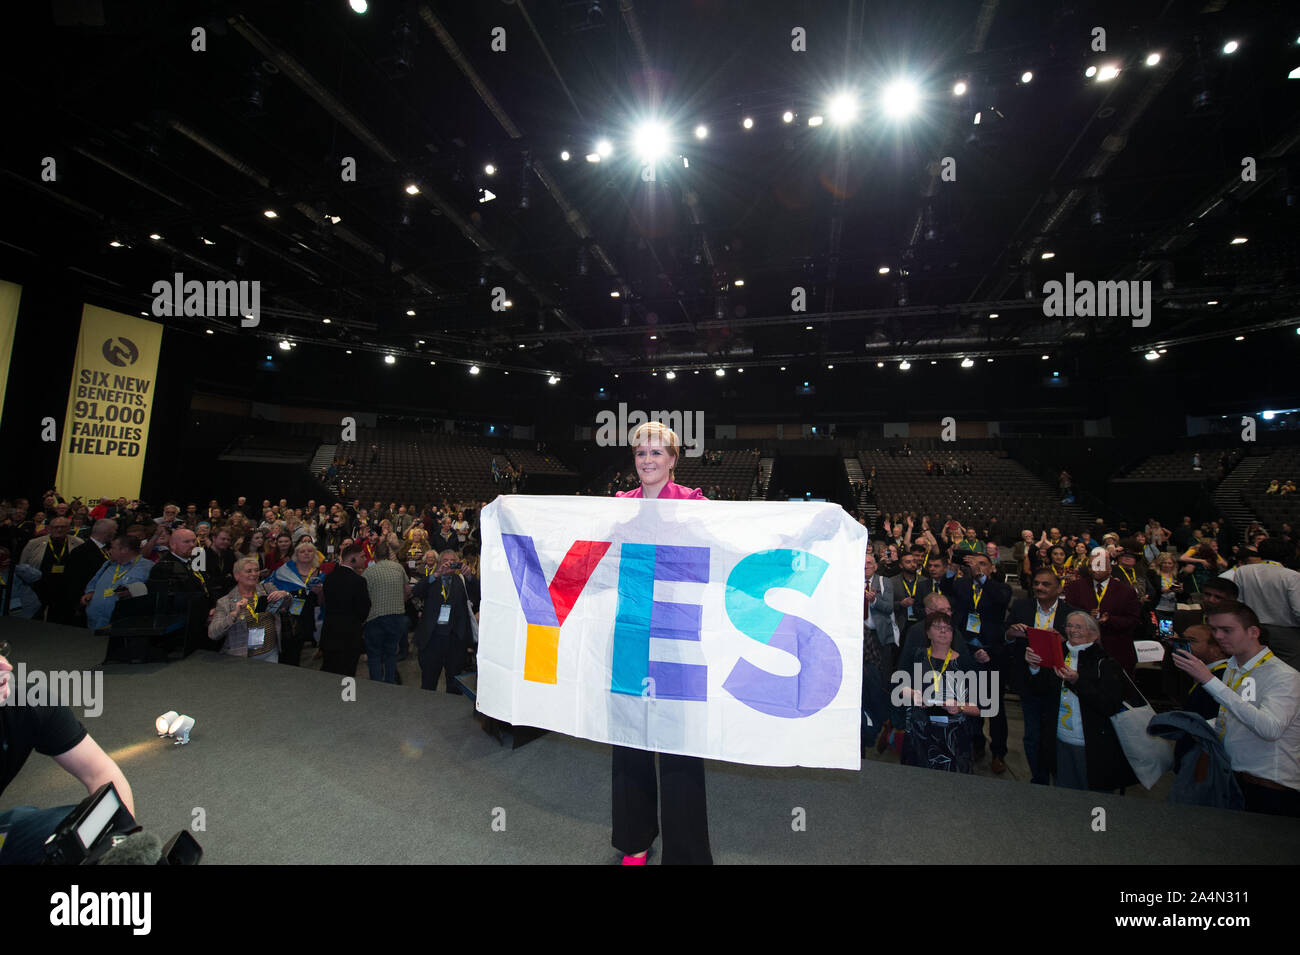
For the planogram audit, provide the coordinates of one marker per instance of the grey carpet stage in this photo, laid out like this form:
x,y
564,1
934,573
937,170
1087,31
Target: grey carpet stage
x,y
287,772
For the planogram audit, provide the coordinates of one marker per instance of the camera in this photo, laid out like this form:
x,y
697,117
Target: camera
x,y
100,829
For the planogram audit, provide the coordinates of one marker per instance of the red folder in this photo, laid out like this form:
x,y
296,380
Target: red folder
x,y
1047,644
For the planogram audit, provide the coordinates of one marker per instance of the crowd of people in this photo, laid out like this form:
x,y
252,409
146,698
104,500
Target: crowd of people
x,y
937,616
262,582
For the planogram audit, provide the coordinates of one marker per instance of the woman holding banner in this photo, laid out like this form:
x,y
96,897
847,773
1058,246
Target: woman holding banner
x,y
656,449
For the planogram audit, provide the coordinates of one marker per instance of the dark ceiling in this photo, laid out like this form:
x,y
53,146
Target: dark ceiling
x,y
1138,178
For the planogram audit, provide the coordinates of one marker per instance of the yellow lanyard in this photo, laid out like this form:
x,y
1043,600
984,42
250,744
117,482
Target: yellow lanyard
x,y
1221,723
915,583
1101,594
444,591
119,574
978,592
930,658
1132,578
58,558
1043,621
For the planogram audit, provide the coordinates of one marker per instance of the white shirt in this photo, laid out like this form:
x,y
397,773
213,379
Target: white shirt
x,y
1269,589
1262,737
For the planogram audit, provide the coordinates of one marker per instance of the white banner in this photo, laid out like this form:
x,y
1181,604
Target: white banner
x,y
729,630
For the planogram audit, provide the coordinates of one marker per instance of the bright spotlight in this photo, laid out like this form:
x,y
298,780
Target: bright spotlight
x,y
719,372
410,312
490,169
843,109
883,270
701,131
959,89
650,141
390,360
1231,47
359,6
1267,415
1107,73
815,120
670,375
1027,77
552,380
1090,72
748,122
1153,59
1151,355
904,365
604,148
285,346
967,363
787,117
976,122
564,155
473,369
900,99
880,364
1239,240
593,157
155,236
271,214
412,189
1049,255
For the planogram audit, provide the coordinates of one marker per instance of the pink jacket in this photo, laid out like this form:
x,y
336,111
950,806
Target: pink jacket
x,y
670,491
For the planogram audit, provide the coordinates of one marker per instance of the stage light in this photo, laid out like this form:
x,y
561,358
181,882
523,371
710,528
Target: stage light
x,y
155,236
1231,47
271,214
552,380
976,120
993,314
593,157
1152,59
904,365
349,351
933,362
1239,240
1049,255
604,148
285,346
564,155
1240,338
268,358
883,270
815,120
1027,77
719,372
1267,415
1151,356
807,328
1213,301
207,241
739,283
830,367
419,341
507,304
654,338
842,109
522,345
490,169
1090,72
390,360
1106,73
989,360
650,140
211,332
783,366
787,117
959,89
412,189
180,729
740,370
115,244
163,723
1162,350
410,311
900,99
748,122
670,375
325,321
358,6
473,369
1045,357
614,294
967,363
701,131
880,364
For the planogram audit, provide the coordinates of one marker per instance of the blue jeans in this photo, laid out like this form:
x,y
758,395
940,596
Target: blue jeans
x,y
381,637
1033,710
25,829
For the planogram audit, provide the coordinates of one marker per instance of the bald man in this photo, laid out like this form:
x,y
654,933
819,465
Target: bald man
x,y
183,570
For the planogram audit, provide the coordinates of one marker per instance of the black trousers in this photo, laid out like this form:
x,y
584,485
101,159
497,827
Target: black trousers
x,y
1273,802
685,809
341,645
442,652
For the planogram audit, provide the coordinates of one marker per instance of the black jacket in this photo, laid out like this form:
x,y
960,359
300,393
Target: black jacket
x,y
429,589
1023,611
995,596
346,597
82,564
1101,688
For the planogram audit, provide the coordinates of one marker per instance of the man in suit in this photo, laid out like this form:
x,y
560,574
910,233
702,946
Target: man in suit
x,y
445,538
443,633
84,562
49,554
1112,602
908,593
179,574
1045,610
877,634
347,605
979,609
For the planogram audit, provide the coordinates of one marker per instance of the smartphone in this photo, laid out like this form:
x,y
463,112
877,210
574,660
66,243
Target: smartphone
x,y
1166,626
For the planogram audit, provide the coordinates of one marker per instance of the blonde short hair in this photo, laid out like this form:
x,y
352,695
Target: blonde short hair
x,y
666,436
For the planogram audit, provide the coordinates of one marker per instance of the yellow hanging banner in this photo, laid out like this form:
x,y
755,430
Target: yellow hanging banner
x,y
9,296
106,428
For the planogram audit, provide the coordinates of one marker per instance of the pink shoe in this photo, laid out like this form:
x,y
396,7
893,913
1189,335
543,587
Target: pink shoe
x,y
633,860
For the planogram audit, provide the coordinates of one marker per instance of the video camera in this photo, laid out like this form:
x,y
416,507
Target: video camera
x,y
101,831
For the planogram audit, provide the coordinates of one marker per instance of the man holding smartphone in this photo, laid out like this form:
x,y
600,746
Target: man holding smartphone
x,y
112,580
443,634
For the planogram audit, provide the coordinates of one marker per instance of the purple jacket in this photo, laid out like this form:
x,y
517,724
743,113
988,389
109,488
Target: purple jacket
x,y
670,491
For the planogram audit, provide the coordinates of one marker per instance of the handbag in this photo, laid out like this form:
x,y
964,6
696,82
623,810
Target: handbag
x,y
1150,757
